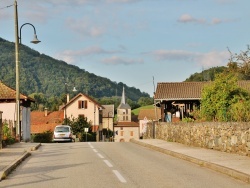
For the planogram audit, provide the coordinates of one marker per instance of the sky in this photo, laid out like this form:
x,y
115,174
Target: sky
x,y
137,42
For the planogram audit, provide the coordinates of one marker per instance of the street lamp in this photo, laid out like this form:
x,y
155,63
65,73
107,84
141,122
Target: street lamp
x,y
18,40
67,100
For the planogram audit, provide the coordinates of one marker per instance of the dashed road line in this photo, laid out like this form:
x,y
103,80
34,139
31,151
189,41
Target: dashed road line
x,y
119,176
100,155
90,145
108,163
116,172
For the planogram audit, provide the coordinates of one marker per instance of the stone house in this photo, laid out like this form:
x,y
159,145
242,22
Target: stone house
x,y
125,129
8,107
178,99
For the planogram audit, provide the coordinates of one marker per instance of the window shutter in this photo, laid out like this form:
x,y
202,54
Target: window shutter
x,y
79,104
85,104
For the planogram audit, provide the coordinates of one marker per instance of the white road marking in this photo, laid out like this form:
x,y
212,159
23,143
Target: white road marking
x,y
108,163
100,155
95,150
119,176
90,145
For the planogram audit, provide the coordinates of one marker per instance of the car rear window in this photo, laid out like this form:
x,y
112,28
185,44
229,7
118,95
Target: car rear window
x,y
62,129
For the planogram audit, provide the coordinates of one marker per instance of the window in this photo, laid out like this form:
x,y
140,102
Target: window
x,y
131,133
82,104
121,133
81,116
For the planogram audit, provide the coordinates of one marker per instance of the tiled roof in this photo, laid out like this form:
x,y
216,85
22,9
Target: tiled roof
x,y
38,117
79,95
127,124
8,93
124,106
106,112
186,90
179,90
149,114
43,128
41,123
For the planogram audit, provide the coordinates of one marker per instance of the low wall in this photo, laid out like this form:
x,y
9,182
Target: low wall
x,y
227,137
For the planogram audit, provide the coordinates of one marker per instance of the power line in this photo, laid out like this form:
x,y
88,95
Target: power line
x,y
6,7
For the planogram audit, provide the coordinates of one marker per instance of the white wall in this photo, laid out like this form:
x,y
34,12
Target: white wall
x,y
126,133
8,110
92,111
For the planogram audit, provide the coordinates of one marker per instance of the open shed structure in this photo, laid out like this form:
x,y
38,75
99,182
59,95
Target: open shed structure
x,y
178,99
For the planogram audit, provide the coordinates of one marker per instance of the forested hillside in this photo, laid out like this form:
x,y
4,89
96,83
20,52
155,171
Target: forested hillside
x,y
206,75
40,73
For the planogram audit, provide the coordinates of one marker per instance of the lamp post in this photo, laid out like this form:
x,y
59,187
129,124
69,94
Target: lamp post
x,y
67,100
17,41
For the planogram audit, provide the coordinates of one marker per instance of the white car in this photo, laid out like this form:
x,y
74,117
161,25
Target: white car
x,y
63,133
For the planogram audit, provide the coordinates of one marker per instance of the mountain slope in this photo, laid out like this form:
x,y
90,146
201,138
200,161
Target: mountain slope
x,y
40,73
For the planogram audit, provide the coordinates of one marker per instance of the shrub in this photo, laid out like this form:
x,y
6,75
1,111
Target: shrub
x,y
45,137
90,137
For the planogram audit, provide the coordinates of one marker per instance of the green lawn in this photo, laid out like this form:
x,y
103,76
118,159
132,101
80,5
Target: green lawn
x,y
136,111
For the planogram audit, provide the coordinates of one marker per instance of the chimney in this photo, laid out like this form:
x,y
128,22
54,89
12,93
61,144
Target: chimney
x,y
45,112
67,97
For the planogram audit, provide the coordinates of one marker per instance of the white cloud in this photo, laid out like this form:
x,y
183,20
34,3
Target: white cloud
x,y
72,56
85,27
185,18
208,59
216,21
214,58
124,61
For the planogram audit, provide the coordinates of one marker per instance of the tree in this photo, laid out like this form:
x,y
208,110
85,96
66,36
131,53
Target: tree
x,y
241,63
78,126
223,98
144,101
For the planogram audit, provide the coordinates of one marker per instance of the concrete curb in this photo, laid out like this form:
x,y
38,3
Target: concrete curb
x,y
225,170
36,147
6,171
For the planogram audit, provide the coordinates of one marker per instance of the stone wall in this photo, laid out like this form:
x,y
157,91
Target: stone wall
x,y
227,137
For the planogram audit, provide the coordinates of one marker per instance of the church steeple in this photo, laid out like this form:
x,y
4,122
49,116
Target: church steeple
x,y
123,97
123,110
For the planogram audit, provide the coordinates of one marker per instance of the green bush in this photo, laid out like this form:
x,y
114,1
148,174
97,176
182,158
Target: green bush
x,y
45,137
91,137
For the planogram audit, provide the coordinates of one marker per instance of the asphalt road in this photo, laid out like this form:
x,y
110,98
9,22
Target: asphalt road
x,y
112,165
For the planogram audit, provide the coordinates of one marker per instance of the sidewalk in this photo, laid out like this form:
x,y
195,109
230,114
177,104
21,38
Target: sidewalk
x,y
234,165
13,155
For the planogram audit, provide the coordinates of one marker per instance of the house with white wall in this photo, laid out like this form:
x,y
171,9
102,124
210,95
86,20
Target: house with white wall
x,y
8,107
84,106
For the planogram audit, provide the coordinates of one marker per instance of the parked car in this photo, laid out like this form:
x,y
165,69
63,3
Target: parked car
x,y
63,133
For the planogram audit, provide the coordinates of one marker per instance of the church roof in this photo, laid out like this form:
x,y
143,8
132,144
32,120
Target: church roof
x,y
123,104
